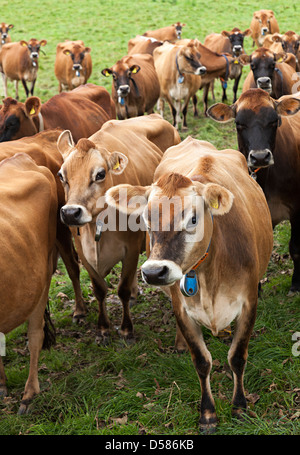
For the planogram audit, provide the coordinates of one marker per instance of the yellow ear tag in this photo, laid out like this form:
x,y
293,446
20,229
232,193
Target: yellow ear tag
x,y
134,71
24,44
214,204
117,165
67,53
236,62
280,60
32,111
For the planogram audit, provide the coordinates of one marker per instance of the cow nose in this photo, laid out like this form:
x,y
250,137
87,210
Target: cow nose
x,y
34,54
155,275
201,70
264,83
71,215
124,89
76,66
237,48
4,35
260,158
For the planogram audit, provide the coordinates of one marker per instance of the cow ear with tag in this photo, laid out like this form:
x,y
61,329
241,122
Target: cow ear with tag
x,y
117,163
106,72
288,106
87,50
221,113
134,69
43,42
65,143
23,43
245,59
32,106
216,197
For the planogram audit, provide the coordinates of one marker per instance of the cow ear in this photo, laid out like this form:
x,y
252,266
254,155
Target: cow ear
x,y
23,43
134,69
117,162
288,106
221,112
65,143
87,50
245,59
32,106
276,38
11,26
217,198
43,42
224,33
66,52
106,72
127,198
247,32
280,57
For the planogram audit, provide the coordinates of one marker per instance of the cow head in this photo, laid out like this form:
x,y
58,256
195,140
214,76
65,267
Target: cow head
x,y
34,47
257,117
264,18
122,73
4,29
16,119
86,174
236,38
289,41
178,213
178,28
77,54
262,63
188,59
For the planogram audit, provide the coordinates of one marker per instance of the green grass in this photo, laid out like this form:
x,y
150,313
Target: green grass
x,y
147,388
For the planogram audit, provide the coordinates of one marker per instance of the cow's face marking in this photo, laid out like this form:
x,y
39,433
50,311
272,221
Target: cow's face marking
x,y
33,47
77,54
122,74
188,60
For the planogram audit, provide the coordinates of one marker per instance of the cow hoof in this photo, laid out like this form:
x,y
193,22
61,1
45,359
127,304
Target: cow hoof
x,y
127,337
24,408
132,302
209,428
295,290
78,318
102,340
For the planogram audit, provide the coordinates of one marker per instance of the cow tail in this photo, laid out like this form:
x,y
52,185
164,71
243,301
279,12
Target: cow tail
x,y
49,330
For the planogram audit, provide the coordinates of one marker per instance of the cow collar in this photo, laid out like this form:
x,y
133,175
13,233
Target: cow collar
x,y
253,173
181,76
224,80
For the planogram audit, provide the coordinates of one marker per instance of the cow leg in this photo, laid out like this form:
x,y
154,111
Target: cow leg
x,y
224,96
161,106
205,98
4,84
295,252
176,113
17,89
3,389
103,330
238,352
235,87
212,89
32,87
25,87
184,114
195,102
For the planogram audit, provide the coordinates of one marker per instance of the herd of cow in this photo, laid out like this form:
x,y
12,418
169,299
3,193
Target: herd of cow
x,y
60,158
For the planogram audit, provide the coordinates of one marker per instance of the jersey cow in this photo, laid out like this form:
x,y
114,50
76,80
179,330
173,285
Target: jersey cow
x,y
143,45
211,240
268,136
263,23
271,72
83,111
4,32
287,42
28,213
170,33
73,64
179,68
122,151
19,62
135,88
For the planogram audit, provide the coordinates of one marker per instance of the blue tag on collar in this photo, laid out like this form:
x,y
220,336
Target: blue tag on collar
x,y
224,84
121,100
189,284
180,79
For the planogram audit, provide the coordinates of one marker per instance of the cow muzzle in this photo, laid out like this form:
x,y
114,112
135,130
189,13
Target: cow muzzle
x,y
237,50
161,273
74,215
260,158
123,90
264,30
265,84
200,70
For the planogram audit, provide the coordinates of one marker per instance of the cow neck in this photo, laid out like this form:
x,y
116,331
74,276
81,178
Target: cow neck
x,y
38,121
202,259
225,79
181,75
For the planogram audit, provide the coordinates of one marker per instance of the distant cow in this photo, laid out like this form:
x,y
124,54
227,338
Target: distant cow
x,y
28,214
230,43
287,42
4,32
262,24
171,33
19,62
83,111
268,74
179,68
73,64
135,87
210,246
268,136
122,151
143,45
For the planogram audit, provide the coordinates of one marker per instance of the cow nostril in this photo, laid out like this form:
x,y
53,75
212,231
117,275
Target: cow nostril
x,y
71,215
155,275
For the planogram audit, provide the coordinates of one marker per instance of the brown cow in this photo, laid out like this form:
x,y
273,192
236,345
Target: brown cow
x,y
171,33
135,87
268,74
73,64
122,151
28,214
287,42
19,62
229,43
268,136
211,241
142,45
4,32
262,24
179,71
83,111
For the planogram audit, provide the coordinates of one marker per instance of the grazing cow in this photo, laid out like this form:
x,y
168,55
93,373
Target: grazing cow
x,y
229,43
135,87
73,64
142,45
287,42
263,23
83,111
179,68
122,151
28,213
211,240
268,74
269,139
171,33
4,32
19,62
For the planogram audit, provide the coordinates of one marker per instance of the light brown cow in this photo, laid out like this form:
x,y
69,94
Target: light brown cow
x,y
73,64
287,42
83,111
135,87
179,71
262,24
28,214
19,62
122,151
143,45
211,241
4,32
171,33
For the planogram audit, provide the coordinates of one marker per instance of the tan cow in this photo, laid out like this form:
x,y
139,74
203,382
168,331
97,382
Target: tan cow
x,y
4,32
19,62
287,42
179,71
73,64
143,45
28,214
135,87
171,33
263,23
122,151
211,240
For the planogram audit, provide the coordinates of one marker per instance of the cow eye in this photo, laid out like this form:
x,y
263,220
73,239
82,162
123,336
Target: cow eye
x,y
193,221
61,177
100,175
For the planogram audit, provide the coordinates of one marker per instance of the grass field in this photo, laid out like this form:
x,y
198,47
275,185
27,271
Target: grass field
x,y
146,387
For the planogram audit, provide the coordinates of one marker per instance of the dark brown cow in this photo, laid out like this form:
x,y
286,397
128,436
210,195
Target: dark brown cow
x,y
210,229
171,33
262,24
19,62
135,88
268,136
4,32
142,45
83,111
